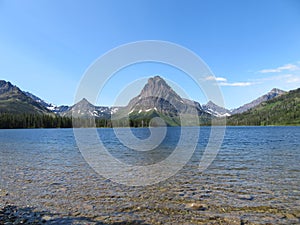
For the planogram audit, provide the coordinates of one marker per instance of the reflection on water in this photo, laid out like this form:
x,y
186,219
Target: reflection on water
x,y
255,177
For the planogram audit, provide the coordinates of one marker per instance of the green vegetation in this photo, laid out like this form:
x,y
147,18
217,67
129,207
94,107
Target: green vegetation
x,y
144,119
283,110
9,121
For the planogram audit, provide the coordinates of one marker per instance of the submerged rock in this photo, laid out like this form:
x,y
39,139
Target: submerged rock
x,y
232,220
196,206
245,197
3,193
46,218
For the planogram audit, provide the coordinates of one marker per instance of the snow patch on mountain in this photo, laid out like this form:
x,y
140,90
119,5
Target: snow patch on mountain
x,y
216,110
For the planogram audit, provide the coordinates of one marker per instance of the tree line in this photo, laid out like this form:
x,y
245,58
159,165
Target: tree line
x,y
19,121
12,121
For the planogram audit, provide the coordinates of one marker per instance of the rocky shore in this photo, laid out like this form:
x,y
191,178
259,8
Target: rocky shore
x,y
13,215
181,208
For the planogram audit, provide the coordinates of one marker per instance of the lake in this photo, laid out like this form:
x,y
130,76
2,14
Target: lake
x,y
254,179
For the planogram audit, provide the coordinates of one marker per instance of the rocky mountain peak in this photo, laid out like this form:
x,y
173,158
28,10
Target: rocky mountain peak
x,y
210,103
4,83
84,101
215,110
16,101
84,108
277,91
157,87
84,105
157,95
6,87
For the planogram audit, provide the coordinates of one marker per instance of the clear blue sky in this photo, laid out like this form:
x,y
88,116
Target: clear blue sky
x,y
251,46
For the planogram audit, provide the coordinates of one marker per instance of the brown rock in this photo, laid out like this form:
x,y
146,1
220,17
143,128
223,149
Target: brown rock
x,y
196,206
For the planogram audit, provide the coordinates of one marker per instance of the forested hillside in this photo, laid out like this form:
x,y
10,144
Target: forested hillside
x,y
283,110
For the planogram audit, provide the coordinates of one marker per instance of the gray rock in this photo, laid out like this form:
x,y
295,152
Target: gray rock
x,y
47,218
232,220
196,206
245,197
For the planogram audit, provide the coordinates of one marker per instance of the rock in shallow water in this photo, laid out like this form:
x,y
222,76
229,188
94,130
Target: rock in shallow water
x,y
196,206
3,193
46,218
232,220
245,197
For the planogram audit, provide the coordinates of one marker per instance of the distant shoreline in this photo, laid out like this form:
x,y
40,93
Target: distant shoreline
x,y
36,128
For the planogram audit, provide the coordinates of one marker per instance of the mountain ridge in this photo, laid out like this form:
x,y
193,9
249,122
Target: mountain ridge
x,y
282,110
13,100
156,98
275,92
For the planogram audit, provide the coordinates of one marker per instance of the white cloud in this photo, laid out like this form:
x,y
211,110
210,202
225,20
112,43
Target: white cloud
x,y
292,78
221,79
287,67
284,78
236,84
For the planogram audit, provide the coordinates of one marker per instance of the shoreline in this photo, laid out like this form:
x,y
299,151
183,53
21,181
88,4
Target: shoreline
x,y
49,128
12,214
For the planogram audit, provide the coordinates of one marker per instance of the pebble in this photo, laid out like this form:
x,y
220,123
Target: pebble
x,y
3,193
232,220
101,218
289,216
245,197
196,206
87,207
46,217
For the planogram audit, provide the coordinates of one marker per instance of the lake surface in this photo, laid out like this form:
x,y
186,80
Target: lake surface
x,y
255,179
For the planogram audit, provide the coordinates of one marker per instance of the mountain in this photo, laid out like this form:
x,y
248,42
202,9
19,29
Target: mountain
x,y
282,110
86,109
13,100
53,108
59,110
275,92
37,99
158,99
159,96
216,110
